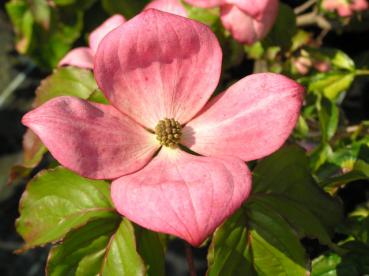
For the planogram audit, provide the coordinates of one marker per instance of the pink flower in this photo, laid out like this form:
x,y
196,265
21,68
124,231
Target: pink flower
x,y
84,56
171,6
248,21
158,71
345,7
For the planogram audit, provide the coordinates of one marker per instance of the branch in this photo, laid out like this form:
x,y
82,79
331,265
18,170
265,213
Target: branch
x,y
313,18
189,257
305,6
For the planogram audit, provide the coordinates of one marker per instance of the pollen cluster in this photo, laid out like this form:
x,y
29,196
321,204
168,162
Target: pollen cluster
x,y
168,132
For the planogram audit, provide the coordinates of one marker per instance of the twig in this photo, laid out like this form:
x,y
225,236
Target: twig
x,y
313,18
14,84
189,257
300,9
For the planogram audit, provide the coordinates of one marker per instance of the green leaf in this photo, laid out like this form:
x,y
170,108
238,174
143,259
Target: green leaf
x,y
23,21
359,172
332,84
66,81
328,118
82,250
102,247
41,12
121,257
355,261
206,16
127,8
287,181
151,248
57,201
283,29
44,32
256,241
262,238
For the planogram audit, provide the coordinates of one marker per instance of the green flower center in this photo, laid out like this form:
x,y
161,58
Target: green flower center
x,y
168,132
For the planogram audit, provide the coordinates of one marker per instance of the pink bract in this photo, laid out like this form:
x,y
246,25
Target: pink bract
x,y
168,66
171,6
84,56
248,21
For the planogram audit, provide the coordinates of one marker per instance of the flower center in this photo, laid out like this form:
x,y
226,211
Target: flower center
x,y
168,132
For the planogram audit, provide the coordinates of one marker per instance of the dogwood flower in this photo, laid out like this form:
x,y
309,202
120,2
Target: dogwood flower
x,y
158,71
345,8
247,20
84,56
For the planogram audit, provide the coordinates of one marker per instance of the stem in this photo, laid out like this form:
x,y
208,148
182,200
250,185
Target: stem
x,y
189,257
313,18
304,7
362,72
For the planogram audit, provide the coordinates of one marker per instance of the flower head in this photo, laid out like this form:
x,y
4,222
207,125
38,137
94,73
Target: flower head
x,y
84,56
248,21
159,79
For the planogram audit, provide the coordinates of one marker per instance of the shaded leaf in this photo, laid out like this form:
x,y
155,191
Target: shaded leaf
x,y
151,249
262,238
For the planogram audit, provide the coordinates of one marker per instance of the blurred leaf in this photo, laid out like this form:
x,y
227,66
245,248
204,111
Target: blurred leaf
x,y
6,163
359,172
127,8
66,81
319,156
354,262
331,84
102,247
57,201
206,16
44,32
262,238
22,20
33,149
98,97
337,58
328,118
301,38
283,29
41,12
151,249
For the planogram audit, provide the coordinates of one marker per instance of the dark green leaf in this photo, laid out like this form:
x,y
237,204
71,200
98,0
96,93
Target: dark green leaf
x,y
262,238
127,8
359,172
151,249
286,175
57,201
283,29
355,261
